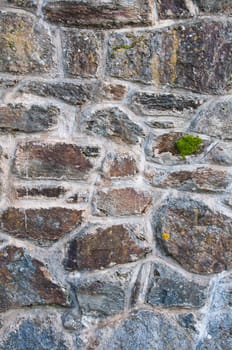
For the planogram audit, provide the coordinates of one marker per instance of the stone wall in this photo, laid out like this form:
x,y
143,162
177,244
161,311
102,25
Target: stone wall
x,y
116,155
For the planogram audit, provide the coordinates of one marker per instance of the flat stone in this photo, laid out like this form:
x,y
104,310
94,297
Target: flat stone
x,y
194,235
118,165
109,14
41,225
17,117
26,46
30,5
98,247
113,91
217,112
112,123
172,9
40,191
221,154
215,7
26,281
81,53
39,160
121,202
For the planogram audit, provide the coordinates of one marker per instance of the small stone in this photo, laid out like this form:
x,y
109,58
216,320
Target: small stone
x,y
199,239
161,125
121,202
41,191
17,117
112,123
89,14
113,91
118,165
221,154
26,281
98,247
26,46
30,5
215,7
39,160
71,320
41,225
172,9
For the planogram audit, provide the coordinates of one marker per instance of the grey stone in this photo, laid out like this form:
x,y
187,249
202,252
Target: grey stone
x,y
221,154
172,9
30,5
215,6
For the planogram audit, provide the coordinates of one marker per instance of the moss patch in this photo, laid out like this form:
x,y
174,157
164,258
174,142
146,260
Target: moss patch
x,y
188,144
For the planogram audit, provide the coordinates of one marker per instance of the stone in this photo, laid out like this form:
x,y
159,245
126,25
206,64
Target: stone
x,y
112,123
41,191
72,93
18,117
103,295
41,225
217,112
59,161
26,281
161,125
81,53
26,46
194,235
30,5
172,9
200,179
215,7
118,165
147,329
37,334
110,14
6,85
113,91
221,154
78,197
121,202
97,247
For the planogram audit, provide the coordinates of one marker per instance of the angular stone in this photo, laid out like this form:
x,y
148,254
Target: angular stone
x,y
112,123
71,93
221,154
98,247
114,91
81,53
121,202
41,225
25,45
37,334
26,281
198,179
172,9
109,14
144,329
30,5
17,117
119,165
103,295
53,161
41,191
197,237
214,113
215,6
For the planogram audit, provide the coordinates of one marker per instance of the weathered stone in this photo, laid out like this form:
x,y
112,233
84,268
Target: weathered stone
x,y
161,125
199,179
30,5
172,9
71,93
112,123
215,6
221,154
180,56
119,165
78,197
121,202
97,247
25,45
41,191
17,117
214,119
81,53
98,14
144,329
6,85
26,281
36,334
113,91
103,295
194,235
53,161
187,321
41,225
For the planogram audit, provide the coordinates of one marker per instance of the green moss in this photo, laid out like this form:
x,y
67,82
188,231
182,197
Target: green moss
x,y
188,144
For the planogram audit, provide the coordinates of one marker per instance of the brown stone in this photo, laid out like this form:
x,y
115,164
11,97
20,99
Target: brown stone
x,y
194,235
99,247
41,191
26,281
81,53
114,91
42,225
25,45
89,14
121,202
53,161
119,165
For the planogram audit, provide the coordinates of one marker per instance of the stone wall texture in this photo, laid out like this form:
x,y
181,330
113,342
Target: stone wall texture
x,y
116,175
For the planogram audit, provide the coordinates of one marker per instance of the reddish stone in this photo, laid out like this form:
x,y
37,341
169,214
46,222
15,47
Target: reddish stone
x,y
119,165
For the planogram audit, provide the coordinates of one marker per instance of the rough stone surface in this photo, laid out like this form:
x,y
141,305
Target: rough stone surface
x,y
121,202
17,117
98,14
214,6
113,91
25,46
112,123
172,9
30,5
119,244
26,281
41,191
81,52
41,225
194,235
221,154
53,161
119,165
